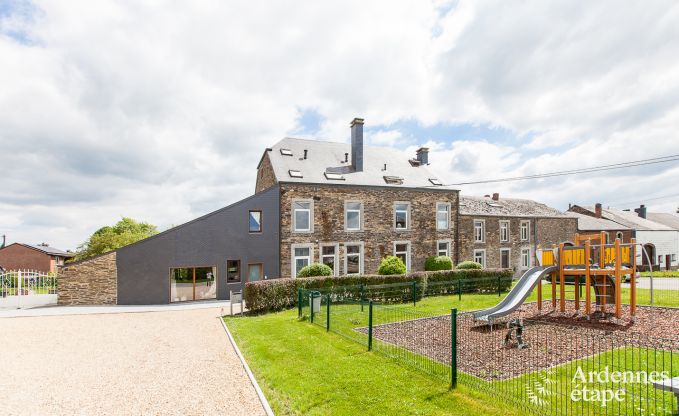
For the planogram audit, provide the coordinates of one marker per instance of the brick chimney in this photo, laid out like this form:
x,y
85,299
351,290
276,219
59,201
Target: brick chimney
x,y
423,155
496,196
641,211
357,144
597,210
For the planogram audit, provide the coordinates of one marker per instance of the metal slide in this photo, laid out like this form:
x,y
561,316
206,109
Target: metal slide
x,y
516,296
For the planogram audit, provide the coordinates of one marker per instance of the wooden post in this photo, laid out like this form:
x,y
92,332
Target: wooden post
x,y
553,274
602,265
588,289
562,280
618,279
540,294
576,286
633,278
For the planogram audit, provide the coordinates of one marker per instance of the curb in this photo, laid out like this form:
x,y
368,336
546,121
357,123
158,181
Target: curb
x,y
262,399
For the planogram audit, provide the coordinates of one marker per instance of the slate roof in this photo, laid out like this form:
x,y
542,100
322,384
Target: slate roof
x,y
587,223
506,207
667,219
48,250
630,219
328,157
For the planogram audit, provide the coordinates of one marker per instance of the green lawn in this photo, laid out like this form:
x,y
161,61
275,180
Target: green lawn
x,y
664,273
304,370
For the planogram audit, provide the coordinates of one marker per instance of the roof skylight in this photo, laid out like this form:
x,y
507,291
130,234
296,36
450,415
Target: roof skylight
x,y
393,180
334,176
435,181
286,152
494,204
295,173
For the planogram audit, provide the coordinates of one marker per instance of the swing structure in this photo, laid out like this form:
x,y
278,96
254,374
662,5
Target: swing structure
x,y
600,266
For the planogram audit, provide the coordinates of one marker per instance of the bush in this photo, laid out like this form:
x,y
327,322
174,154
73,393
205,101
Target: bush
x,y
391,265
469,265
315,269
277,294
435,263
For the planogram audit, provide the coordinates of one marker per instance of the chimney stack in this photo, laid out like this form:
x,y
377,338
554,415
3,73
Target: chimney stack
x,y
641,211
3,241
305,153
496,196
423,155
597,210
357,144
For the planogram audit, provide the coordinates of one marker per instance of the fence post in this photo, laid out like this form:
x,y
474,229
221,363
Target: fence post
x,y
499,287
414,292
19,282
311,305
370,325
362,297
459,289
327,317
299,302
453,348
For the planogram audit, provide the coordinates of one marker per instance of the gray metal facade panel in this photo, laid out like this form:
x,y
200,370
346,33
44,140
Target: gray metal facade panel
x,y
143,268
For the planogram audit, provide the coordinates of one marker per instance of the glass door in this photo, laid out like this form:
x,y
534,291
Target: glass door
x,y
192,283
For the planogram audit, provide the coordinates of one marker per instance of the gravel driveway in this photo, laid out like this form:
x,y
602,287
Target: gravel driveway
x,y
173,362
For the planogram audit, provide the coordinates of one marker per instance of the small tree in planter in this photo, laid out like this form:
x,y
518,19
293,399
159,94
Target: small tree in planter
x,y
315,269
469,265
391,265
436,263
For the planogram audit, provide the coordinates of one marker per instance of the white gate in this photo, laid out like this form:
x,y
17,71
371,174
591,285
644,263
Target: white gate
x,y
27,289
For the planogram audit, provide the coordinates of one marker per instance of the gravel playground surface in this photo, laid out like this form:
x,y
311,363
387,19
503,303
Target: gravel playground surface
x,y
151,363
553,338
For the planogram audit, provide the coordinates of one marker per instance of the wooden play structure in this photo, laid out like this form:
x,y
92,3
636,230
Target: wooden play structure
x,y
596,264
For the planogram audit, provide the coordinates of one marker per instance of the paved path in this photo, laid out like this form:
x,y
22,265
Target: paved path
x,y
176,362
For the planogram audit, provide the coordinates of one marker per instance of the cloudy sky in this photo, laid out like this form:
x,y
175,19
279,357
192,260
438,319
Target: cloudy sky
x,y
160,110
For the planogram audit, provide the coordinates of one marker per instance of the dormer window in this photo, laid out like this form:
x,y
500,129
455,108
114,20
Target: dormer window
x,y
334,176
393,180
295,173
286,152
435,181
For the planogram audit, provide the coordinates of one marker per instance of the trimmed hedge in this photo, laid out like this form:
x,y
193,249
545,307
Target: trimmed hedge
x,y
435,263
277,294
315,269
391,265
467,265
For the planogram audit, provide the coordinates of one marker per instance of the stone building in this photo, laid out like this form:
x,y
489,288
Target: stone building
x,y
343,204
505,232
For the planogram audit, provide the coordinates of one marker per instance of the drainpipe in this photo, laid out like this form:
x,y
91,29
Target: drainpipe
x,y
535,239
457,231
4,237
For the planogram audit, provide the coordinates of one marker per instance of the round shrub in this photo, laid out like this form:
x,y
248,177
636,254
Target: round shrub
x,y
315,269
435,263
469,265
391,265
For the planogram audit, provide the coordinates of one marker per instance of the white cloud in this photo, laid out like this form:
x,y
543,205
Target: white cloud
x,y
161,111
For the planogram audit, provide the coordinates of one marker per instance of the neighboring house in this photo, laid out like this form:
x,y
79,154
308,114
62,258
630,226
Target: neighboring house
x,y
345,205
505,232
667,219
40,257
595,225
660,242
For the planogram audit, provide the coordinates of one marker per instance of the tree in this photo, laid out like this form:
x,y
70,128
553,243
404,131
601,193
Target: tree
x,y
124,232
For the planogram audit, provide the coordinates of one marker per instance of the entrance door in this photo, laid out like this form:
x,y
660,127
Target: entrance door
x,y
668,262
255,272
504,258
192,283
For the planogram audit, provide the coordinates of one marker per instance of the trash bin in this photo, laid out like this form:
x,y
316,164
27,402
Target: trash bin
x,y
315,301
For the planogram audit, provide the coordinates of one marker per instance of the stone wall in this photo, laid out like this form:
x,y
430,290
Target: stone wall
x,y
265,176
377,234
90,282
542,232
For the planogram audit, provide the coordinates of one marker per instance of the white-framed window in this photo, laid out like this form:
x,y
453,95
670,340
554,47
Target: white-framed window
x,y
505,258
504,231
353,258
479,231
618,235
480,257
443,248
525,230
402,215
302,255
674,258
302,216
329,253
402,251
353,213
525,257
442,215
661,259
